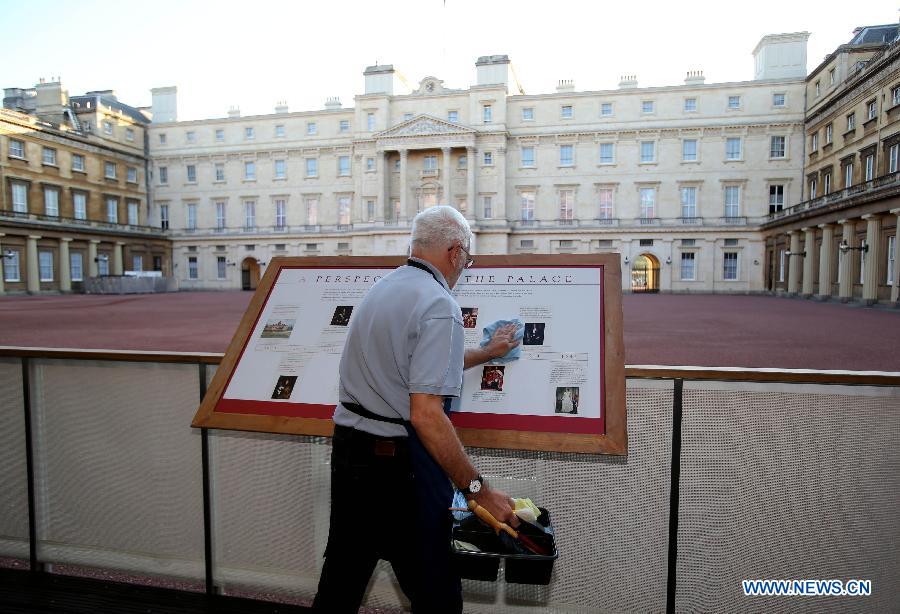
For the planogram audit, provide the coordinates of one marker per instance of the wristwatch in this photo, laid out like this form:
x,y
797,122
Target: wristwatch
x,y
474,487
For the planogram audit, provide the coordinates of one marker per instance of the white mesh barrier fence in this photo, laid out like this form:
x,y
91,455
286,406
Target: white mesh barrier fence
x,y
788,482
14,475
118,468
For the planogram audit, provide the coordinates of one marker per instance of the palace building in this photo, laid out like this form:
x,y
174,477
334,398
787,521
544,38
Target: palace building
x,y
73,203
678,179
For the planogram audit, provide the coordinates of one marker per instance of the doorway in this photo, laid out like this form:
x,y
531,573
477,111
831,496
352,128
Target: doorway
x,y
645,274
249,274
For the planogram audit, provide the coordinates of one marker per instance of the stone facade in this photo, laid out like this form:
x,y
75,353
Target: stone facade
x,y
678,179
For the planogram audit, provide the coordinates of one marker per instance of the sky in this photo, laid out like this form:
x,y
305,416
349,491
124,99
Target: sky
x,y
253,54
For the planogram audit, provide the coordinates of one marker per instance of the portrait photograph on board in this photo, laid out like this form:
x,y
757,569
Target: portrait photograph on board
x,y
534,333
284,387
492,378
567,400
341,315
470,317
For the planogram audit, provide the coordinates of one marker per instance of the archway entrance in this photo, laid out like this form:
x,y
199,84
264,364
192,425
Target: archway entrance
x,y
645,274
249,274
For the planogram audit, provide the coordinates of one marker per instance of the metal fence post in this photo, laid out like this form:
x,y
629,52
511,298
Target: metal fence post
x,y
673,494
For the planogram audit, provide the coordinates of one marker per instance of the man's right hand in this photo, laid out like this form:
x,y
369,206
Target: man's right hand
x,y
499,504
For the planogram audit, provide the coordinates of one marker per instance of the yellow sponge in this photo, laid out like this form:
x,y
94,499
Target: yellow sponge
x,y
526,510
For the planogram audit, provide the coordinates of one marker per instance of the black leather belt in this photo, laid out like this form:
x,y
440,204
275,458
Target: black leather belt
x,y
359,410
368,444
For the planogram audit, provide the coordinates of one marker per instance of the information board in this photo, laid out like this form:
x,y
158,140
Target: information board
x,y
565,392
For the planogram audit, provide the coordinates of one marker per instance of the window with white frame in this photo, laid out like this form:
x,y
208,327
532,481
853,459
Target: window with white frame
x,y
732,200
193,273
311,128
851,122
776,147
280,169
19,197
829,134
605,199
191,136
526,200
566,111
280,213
733,148
312,167
871,109
45,262
814,141
164,217
832,76
487,113
893,157
137,262
848,174
895,96
131,174
689,201
647,106
734,102
49,157
453,116
220,215
220,171
344,166
370,210
191,210
690,105
107,127
162,138
79,205
370,122
778,99
527,114
221,267
51,202
220,134
112,210
607,153
344,125
891,258
781,257
730,270
191,173
462,161
133,214
250,214
279,131
606,109
566,204
249,133
813,188
109,170
11,265
343,210
488,158
689,150
826,179
648,203
870,167
648,151
16,148
370,165
776,198
566,155
163,175
103,265
76,266
312,211
688,266
528,156
487,207
429,163
249,170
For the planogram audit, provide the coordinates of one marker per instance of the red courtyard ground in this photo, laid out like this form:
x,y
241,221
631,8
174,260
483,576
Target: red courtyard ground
x,y
662,329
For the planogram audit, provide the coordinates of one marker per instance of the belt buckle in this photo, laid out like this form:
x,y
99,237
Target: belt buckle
x,y
385,447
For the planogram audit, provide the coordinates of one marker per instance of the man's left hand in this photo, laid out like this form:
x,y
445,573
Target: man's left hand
x,y
502,341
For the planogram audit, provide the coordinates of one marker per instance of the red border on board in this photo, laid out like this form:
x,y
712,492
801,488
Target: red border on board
x,y
461,419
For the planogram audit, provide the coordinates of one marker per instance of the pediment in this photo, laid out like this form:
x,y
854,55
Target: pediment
x,y
424,125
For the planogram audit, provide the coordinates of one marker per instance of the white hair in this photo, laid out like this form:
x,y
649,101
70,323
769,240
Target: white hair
x,y
441,226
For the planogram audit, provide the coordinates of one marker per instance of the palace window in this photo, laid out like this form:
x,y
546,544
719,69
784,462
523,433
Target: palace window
x,y
776,198
732,201
689,150
648,151
648,203
11,265
112,210
220,171
344,166
45,261
605,199
566,204
730,271
688,266
690,105
566,155
280,169
528,157
79,204
776,147
49,157
250,214
220,215
689,202
16,149
527,205
51,202
607,153
192,216
250,171
191,173
733,148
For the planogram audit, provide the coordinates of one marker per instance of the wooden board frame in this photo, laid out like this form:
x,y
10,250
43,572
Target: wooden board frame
x,y
613,441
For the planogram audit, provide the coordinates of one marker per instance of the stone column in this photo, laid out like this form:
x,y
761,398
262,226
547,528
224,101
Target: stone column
x,y
895,285
793,285
845,286
404,186
3,263
32,268
825,257
383,211
358,212
93,269
117,258
65,275
500,163
872,258
448,190
470,182
808,260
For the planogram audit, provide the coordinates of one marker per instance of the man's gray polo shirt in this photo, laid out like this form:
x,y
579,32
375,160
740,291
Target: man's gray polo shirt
x,y
406,336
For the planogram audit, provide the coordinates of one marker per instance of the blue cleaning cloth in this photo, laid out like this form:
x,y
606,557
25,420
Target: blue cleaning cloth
x,y
489,331
459,500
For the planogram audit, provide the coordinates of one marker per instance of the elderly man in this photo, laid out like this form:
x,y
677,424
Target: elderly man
x,y
395,452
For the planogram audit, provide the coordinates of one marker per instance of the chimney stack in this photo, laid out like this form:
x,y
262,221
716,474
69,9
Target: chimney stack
x,y
281,106
234,112
333,103
493,70
565,85
628,82
694,77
